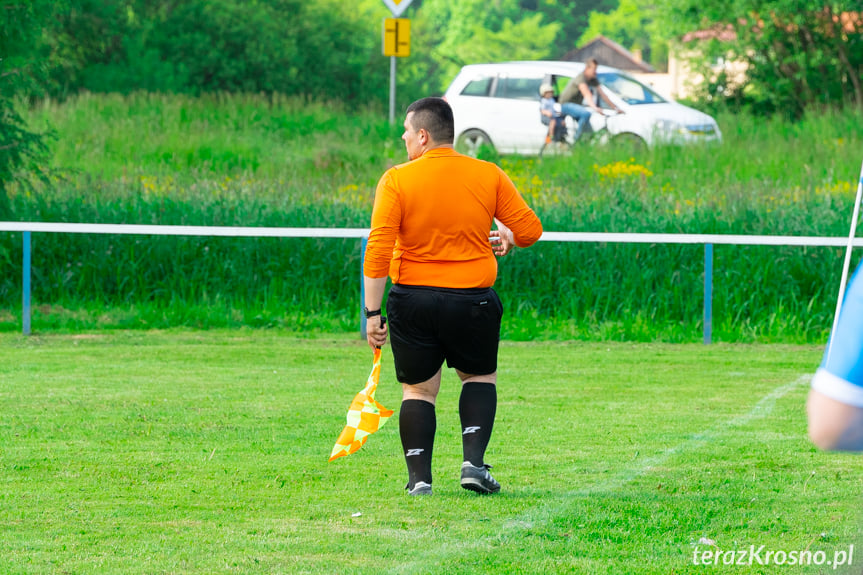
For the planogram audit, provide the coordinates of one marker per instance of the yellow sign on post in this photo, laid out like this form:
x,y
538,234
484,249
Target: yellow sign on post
x,y
397,37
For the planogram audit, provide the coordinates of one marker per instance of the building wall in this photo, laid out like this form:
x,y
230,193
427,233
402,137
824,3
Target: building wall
x,y
680,80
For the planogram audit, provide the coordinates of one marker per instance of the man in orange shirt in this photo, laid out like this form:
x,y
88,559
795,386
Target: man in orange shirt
x,y
431,226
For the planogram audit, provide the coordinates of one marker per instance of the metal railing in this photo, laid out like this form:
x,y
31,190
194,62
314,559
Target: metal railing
x,y
707,240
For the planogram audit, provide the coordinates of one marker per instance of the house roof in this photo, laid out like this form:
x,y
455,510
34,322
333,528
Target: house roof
x,y
608,53
846,22
722,33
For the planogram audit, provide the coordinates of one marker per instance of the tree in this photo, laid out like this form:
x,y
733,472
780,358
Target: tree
x,y
634,25
797,53
22,65
292,47
453,34
573,16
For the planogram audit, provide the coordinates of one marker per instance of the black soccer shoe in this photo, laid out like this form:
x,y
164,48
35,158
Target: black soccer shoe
x,y
478,478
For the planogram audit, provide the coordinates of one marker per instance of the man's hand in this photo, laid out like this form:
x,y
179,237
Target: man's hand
x,y
502,240
376,331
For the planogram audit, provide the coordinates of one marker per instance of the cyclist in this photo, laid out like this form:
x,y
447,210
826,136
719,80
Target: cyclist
x,y
581,96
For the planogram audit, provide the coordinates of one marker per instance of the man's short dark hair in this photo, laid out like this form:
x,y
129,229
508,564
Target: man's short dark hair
x,y
433,115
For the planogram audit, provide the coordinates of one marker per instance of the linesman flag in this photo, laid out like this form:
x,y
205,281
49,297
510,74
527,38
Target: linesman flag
x,y
365,415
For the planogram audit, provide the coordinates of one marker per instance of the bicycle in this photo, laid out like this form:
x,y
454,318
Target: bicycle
x,y
562,143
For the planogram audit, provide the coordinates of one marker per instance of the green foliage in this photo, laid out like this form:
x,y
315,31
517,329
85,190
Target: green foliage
x,y
257,161
19,148
625,24
573,16
632,24
230,47
452,34
141,67
196,46
20,68
201,453
312,49
797,53
85,34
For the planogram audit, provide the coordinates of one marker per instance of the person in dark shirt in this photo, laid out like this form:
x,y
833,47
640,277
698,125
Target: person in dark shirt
x,y
582,95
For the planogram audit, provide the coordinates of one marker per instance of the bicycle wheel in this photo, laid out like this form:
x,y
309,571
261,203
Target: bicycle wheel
x,y
554,149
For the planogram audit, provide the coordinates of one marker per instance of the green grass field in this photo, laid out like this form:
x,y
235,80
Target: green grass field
x,y
257,161
206,452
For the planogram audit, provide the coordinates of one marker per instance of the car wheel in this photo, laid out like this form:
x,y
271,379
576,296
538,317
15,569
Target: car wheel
x,y
470,142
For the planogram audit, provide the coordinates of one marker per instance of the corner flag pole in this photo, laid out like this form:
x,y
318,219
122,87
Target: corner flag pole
x,y
847,264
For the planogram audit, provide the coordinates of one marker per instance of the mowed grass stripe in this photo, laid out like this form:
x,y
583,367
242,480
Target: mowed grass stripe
x,y
549,510
203,452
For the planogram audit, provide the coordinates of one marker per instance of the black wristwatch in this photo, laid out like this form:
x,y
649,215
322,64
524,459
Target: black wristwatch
x,y
370,314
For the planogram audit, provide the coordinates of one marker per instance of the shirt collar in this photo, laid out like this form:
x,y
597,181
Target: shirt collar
x,y
438,153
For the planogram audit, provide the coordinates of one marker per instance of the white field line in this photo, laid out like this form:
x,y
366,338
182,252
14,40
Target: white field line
x,y
764,407
545,513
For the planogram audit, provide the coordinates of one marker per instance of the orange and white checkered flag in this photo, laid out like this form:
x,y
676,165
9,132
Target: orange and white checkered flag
x,y
365,415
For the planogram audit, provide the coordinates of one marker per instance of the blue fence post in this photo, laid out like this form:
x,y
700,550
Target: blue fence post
x,y
25,287
708,292
365,242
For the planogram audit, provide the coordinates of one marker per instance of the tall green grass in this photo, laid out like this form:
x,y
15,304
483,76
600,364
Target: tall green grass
x,y
253,161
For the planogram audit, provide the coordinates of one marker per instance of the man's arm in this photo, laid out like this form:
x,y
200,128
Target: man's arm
x,y
608,101
386,217
834,425
376,331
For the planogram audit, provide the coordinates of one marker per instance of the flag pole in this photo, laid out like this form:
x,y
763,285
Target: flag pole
x,y
846,266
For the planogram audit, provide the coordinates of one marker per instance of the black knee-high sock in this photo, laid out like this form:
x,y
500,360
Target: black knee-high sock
x,y
417,426
476,407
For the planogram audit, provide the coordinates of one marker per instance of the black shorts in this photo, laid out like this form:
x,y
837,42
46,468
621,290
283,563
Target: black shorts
x,y
428,325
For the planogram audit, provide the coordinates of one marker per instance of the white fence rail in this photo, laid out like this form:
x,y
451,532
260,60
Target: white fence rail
x,y
707,240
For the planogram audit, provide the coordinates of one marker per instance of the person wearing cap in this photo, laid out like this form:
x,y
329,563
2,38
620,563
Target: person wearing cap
x,y
549,108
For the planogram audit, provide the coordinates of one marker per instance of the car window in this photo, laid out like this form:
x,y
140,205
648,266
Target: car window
x,y
632,91
518,88
478,87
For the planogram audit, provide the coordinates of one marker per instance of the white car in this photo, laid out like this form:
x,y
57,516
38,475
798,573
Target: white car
x,y
497,105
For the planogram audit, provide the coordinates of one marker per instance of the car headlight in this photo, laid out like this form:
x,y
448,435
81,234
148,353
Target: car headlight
x,y
675,128
702,129
669,127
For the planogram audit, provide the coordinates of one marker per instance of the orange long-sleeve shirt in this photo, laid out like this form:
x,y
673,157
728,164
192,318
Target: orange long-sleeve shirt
x,y
432,217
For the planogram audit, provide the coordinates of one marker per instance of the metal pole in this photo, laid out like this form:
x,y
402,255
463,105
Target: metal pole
x,y
392,89
25,289
365,242
708,292
847,264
